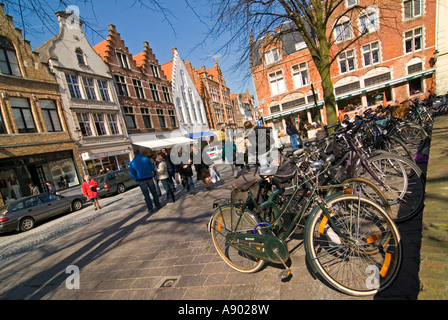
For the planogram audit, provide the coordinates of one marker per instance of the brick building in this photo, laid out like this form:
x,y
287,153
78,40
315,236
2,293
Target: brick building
x,y
143,91
244,107
35,141
89,97
393,59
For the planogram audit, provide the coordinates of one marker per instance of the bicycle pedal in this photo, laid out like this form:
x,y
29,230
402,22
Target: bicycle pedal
x,y
285,275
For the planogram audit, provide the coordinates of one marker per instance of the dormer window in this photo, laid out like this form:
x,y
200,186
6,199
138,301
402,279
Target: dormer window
x,y
272,56
8,59
80,56
122,60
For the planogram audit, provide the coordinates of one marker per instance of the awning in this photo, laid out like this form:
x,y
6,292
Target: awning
x,y
201,135
158,141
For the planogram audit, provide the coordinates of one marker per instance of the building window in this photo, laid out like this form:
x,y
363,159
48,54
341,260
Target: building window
x,y
80,56
350,3
154,70
8,58
166,94
161,118
154,92
73,86
104,91
415,86
122,89
300,75
371,53
98,119
343,31
414,68
369,22
138,88
51,116
172,118
113,123
412,8
90,88
146,117
346,61
277,82
84,124
23,115
413,40
129,117
122,60
272,56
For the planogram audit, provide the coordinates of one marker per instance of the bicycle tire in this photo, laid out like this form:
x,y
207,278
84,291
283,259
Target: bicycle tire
x,y
231,219
407,202
367,264
413,135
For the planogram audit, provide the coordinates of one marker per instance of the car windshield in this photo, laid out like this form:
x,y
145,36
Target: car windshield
x,y
46,197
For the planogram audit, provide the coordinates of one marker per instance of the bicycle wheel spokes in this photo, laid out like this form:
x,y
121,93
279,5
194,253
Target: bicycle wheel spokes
x,y
364,254
227,220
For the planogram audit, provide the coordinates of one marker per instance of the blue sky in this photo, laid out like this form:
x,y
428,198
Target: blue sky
x,y
136,24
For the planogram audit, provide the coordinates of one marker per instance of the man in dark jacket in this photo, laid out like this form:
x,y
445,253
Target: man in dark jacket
x,y
185,171
293,134
142,170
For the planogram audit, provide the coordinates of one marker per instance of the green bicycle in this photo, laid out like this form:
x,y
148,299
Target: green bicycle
x,y
349,240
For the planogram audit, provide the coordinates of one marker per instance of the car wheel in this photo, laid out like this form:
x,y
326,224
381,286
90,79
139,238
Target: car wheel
x,y
121,188
26,224
76,205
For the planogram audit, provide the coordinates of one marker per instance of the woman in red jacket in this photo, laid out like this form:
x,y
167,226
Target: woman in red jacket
x,y
89,189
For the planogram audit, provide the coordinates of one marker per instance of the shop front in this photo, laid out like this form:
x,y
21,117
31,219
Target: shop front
x,y
99,163
16,173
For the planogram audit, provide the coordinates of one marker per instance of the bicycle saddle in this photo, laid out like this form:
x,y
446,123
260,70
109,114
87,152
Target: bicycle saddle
x,y
244,186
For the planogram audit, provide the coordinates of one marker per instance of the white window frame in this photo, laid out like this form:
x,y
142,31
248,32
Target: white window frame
x,y
300,75
372,25
89,87
413,5
272,55
122,60
351,3
370,53
412,38
343,31
277,82
344,58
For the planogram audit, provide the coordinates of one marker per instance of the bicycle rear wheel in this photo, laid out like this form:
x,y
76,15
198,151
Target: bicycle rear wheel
x,y
404,184
231,219
368,259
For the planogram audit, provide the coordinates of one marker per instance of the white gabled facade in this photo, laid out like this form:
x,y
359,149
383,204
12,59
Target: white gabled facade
x,y
188,103
89,95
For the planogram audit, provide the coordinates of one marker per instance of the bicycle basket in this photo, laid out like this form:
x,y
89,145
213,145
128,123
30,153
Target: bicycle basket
x,y
287,177
400,110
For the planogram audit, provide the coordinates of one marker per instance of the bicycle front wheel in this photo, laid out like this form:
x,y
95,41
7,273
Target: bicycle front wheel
x,y
231,219
359,251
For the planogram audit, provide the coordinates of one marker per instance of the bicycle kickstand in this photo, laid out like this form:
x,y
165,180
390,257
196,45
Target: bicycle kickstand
x,y
285,275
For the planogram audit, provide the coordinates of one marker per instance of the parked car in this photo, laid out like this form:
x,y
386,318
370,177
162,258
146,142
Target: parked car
x,y
114,182
214,153
23,214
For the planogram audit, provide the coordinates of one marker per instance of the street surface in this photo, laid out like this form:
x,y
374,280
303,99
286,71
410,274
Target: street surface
x,y
122,252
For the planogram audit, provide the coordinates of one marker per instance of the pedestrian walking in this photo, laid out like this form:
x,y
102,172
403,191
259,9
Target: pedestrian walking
x,y
185,171
89,189
142,170
155,161
51,188
293,134
164,176
170,165
201,165
33,189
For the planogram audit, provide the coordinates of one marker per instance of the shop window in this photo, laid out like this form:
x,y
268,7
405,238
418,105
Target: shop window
x,y
415,86
8,59
23,115
51,116
377,97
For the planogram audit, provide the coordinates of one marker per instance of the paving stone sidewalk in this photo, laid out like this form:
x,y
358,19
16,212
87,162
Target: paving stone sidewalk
x,y
434,250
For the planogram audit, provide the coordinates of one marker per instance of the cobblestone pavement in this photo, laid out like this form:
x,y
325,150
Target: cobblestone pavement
x,y
122,252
